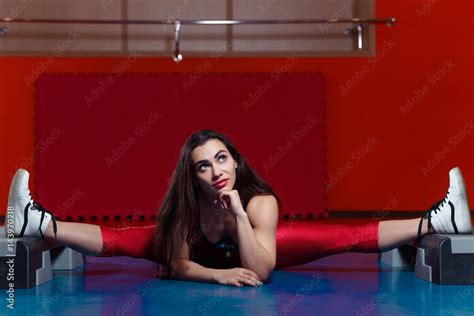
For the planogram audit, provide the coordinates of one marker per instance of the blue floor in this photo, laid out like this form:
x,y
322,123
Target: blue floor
x,y
344,284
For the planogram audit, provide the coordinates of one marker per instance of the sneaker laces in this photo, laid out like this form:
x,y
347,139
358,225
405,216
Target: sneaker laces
x,y
434,208
40,208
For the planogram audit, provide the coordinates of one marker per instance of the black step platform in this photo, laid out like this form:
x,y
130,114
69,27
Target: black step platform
x,y
29,261
437,258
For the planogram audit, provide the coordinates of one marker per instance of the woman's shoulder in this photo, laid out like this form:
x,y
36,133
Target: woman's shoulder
x,y
260,199
263,211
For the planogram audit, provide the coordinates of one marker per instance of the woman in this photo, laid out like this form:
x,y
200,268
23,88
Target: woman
x,y
219,222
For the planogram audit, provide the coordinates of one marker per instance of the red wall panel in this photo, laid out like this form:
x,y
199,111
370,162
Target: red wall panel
x,y
113,142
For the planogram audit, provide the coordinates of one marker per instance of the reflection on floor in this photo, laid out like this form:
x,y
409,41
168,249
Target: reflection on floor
x,y
344,284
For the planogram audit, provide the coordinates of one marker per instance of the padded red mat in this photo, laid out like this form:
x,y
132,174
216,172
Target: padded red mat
x,y
108,143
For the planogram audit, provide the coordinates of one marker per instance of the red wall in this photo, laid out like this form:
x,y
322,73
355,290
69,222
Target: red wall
x,y
384,152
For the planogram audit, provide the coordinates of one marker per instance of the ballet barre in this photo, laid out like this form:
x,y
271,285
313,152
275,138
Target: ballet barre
x,y
358,28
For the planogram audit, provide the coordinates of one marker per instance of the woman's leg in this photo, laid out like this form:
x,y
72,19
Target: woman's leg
x,y
26,217
128,241
450,215
300,242
394,233
85,238
103,241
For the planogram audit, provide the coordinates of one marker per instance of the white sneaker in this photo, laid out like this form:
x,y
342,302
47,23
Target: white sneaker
x,y
450,215
30,218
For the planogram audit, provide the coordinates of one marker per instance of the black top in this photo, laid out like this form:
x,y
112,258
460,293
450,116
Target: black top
x,y
221,255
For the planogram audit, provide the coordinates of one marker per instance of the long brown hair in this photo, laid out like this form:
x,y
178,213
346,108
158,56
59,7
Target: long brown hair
x,y
178,218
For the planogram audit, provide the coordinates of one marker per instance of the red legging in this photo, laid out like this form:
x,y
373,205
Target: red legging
x,y
298,242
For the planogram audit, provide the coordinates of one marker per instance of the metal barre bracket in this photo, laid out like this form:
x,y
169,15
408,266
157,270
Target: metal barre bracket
x,y
358,28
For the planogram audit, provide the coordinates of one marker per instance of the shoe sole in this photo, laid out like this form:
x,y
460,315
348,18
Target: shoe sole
x,y
464,213
13,194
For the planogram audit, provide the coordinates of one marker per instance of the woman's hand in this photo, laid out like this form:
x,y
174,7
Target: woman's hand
x,y
237,277
230,202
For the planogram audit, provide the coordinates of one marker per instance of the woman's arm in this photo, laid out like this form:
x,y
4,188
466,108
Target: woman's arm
x,y
257,245
184,269
191,271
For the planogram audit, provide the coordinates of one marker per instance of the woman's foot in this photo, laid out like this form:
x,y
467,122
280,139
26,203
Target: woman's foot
x,y
450,215
30,218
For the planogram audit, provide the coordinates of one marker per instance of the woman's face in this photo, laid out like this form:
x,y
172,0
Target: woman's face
x,y
213,163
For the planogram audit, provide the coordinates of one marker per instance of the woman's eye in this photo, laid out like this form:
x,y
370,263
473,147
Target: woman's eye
x,y
223,157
